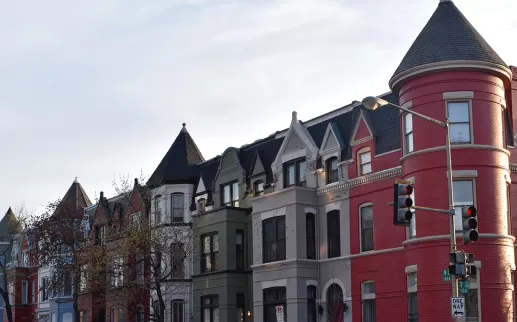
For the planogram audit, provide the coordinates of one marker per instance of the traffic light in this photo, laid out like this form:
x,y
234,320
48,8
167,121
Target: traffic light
x,y
402,203
462,264
470,224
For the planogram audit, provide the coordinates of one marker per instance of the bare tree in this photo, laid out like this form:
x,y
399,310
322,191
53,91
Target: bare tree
x,y
60,241
13,230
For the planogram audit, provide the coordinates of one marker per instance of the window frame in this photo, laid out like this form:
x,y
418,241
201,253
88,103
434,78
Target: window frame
x,y
134,220
201,205
278,255
158,213
140,314
312,315
331,172
451,124
241,305
240,261
177,209
460,204
360,164
412,295
140,268
257,191
212,254
368,298
408,134
25,292
83,316
474,288
333,237
297,172
44,296
177,271
234,195
117,279
310,235
181,308
362,229
120,314
278,300
100,234
213,306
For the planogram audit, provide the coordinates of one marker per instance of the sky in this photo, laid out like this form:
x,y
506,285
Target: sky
x,y
99,89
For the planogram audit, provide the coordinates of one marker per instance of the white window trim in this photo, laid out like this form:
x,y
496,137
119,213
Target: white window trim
x,y
404,146
324,160
366,204
471,121
412,289
369,296
364,150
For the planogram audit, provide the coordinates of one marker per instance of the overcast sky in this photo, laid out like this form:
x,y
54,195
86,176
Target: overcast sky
x,y
97,89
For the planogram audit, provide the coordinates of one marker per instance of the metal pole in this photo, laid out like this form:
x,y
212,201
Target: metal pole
x,y
451,202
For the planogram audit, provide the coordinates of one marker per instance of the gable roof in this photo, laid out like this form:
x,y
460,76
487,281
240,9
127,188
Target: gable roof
x,y
179,165
6,224
448,36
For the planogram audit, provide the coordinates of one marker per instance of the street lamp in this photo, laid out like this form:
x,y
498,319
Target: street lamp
x,y
373,103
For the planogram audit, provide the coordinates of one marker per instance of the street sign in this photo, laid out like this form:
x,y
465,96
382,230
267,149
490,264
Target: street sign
x,y
446,277
464,287
280,313
457,306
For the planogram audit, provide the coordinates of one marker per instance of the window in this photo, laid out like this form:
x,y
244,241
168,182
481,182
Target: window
x,y
140,314
408,132
83,316
274,297
157,210
295,173
44,289
99,235
140,268
134,220
239,249
118,271
471,300
368,301
508,211
178,260
67,283
333,234
241,307
230,194
116,314
366,228
311,303
25,292
83,271
332,170
178,311
273,230
33,291
210,260
463,196
177,207
335,304
459,121
210,308
259,188
310,226
365,163
201,203
412,298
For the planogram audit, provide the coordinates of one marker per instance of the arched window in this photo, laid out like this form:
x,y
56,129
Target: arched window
x,y
311,303
332,170
335,304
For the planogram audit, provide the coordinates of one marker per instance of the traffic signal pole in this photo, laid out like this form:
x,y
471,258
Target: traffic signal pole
x,y
451,202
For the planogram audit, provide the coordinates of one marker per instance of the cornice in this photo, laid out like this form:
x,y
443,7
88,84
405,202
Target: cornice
x,y
362,180
450,65
455,147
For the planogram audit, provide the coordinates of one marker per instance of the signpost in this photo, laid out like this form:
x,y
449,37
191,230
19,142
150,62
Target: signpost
x,y
458,306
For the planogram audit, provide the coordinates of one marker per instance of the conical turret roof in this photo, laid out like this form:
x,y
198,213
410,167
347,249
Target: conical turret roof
x,y
447,36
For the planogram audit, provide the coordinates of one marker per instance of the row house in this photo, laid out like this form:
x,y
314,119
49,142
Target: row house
x,y
298,224
118,293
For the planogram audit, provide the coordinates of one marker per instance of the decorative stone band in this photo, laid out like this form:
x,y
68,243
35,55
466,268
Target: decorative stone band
x,y
513,167
362,180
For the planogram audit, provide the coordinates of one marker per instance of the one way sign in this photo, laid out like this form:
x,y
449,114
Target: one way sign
x,y
458,306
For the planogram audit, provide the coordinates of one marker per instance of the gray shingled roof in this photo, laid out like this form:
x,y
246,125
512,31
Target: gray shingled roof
x,y
448,36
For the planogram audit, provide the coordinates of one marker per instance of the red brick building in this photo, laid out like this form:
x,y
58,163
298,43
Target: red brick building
x,y
117,294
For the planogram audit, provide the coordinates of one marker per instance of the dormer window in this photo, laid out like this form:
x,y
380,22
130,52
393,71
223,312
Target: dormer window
x,y
295,173
365,162
332,170
230,194
201,203
258,189
177,207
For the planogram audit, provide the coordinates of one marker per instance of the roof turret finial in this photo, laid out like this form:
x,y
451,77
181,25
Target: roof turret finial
x,y
294,118
184,129
76,180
